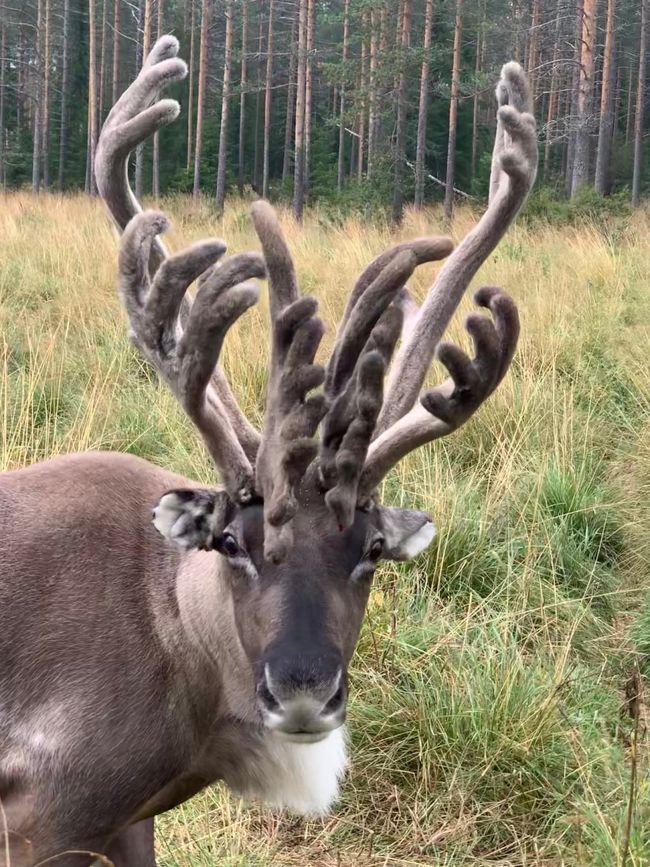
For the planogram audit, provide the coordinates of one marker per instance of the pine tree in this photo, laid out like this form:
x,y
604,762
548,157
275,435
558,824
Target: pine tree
x,y
453,114
640,105
299,166
155,168
190,94
65,86
341,154
309,87
291,102
581,155
606,105
400,138
92,98
38,96
200,100
3,89
554,95
220,196
117,37
242,97
45,132
267,101
423,106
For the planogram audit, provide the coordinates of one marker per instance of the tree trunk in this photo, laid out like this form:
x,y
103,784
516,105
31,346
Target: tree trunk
x,y
516,31
583,136
291,103
117,36
533,49
379,134
102,64
362,113
148,26
309,87
36,150
630,102
606,105
190,95
242,98
480,49
267,102
299,167
372,93
3,67
453,114
640,104
200,99
618,101
65,79
142,49
258,101
220,196
553,99
155,169
573,112
423,106
46,98
400,138
92,97
20,82
341,157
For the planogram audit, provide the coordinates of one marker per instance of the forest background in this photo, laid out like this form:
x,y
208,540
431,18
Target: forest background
x,y
358,105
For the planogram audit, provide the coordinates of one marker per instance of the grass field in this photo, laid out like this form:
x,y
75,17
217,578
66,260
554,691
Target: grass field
x,y
488,718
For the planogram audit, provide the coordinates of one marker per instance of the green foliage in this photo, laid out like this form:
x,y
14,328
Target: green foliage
x,y
548,205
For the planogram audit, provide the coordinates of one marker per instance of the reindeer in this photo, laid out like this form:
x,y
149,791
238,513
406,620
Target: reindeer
x,y
144,660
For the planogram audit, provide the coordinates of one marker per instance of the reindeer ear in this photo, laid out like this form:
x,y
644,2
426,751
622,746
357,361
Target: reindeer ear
x,y
192,519
406,533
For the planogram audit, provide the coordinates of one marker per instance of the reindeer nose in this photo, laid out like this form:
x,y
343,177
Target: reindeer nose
x,y
302,708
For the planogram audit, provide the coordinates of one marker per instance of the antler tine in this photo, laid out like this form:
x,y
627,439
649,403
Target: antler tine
x,y
425,250
135,116
131,121
364,316
292,418
186,359
445,408
513,173
350,422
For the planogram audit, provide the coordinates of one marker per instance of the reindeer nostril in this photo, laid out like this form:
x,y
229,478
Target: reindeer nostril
x,y
267,698
336,701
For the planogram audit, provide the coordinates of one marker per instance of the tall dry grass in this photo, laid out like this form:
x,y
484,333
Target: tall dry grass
x,y
485,717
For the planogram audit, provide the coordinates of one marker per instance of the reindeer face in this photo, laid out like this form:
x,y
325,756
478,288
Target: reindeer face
x,y
298,620
300,564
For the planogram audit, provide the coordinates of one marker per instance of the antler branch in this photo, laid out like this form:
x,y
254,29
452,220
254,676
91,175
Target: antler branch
x,y
186,359
136,116
292,417
449,405
514,166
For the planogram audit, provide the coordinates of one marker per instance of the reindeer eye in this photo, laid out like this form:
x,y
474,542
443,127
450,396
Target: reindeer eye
x,y
228,545
376,549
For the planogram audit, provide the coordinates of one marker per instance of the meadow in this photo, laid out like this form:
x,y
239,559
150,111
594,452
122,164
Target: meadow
x,y
492,717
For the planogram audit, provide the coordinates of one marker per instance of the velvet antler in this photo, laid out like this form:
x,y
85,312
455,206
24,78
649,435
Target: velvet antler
x,y
363,432
136,116
403,427
186,357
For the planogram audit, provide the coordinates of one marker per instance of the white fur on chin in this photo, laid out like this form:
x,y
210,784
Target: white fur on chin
x,y
302,778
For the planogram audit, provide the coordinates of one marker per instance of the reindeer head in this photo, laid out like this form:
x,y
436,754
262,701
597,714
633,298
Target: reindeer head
x,y
297,523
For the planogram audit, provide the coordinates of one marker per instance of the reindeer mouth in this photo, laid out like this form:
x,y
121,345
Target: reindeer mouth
x,y
301,737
